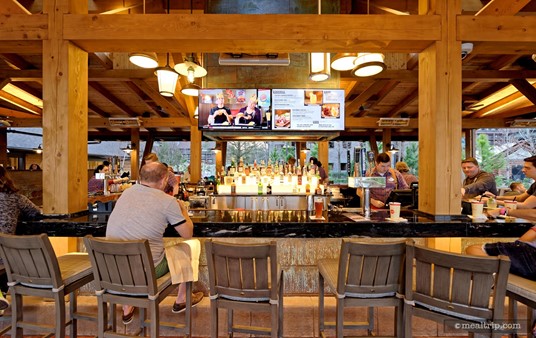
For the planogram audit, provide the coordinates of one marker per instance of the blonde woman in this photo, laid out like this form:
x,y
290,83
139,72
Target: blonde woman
x,y
250,113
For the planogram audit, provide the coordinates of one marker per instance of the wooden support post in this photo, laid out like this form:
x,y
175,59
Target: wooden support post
x,y
65,117
135,154
3,147
323,156
469,142
195,154
223,154
218,155
440,119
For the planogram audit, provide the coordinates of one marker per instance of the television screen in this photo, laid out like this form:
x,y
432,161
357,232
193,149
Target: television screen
x,y
271,109
308,109
227,109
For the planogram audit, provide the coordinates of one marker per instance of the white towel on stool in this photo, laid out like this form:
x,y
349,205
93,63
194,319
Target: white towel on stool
x,y
183,260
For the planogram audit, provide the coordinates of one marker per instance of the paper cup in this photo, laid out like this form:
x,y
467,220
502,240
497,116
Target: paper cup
x,y
512,205
394,210
477,208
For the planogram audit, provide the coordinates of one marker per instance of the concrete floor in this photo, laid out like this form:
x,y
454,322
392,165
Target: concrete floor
x,y
300,318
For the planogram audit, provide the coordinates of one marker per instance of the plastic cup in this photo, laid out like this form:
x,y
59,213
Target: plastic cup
x,y
477,209
319,205
512,205
394,210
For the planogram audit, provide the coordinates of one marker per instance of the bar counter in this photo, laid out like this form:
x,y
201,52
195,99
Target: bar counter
x,y
294,224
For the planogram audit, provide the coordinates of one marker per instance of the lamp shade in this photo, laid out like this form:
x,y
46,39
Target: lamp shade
x,y
144,60
343,61
39,149
182,68
319,69
167,80
369,64
191,89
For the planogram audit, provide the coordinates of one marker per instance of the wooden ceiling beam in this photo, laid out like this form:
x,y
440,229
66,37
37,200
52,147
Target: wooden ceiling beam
x,y
15,61
21,103
97,122
525,88
189,33
13,7
404,102
508,28
103,59
161,101
503,7
372,89
113,99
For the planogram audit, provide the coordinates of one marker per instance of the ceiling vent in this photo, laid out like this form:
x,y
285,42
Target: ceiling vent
x,y
240,59
393,122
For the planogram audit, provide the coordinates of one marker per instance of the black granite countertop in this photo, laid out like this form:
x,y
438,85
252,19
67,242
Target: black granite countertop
x,y
285,223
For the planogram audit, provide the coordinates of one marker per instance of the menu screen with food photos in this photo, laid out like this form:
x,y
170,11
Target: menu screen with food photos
x,y
228,109
271,109
308,109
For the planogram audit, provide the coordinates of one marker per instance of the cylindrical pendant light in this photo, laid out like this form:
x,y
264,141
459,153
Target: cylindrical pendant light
x,y
369,64
343,61
319,66
144,60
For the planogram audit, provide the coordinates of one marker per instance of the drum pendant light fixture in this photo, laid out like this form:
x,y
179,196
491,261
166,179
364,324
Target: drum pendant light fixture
x,y
343,61
144,59
369,64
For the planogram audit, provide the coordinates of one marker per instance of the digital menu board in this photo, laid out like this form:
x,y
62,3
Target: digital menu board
x,y
271,109
308,109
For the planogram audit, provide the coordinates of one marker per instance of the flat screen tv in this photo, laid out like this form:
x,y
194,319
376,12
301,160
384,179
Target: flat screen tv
x,y
271,109
226,109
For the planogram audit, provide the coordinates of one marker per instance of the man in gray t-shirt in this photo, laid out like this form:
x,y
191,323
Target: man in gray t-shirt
x,y
144,212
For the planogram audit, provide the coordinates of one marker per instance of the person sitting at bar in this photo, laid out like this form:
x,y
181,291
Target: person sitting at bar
x,y
172,187
476,181
522,253
34,167
516,188
393,180
249,114
404,170
95,185
143,212
220,114
13,206
526,200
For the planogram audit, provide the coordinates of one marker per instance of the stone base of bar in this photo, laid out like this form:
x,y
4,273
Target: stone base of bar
x,y
300,318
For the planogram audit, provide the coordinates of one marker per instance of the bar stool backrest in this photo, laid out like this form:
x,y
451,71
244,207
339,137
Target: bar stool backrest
x,y
371,270
461,286
240,273
122,267
30,261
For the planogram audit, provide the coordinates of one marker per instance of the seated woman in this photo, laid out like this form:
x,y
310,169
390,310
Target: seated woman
x,y
249,113
13,206
95,185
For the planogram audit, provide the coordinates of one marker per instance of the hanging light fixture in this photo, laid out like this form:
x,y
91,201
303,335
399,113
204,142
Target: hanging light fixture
x,y
319,66
191,89
369,64
167,79
196,113
39,149
128,149
190,67
343,61
144,60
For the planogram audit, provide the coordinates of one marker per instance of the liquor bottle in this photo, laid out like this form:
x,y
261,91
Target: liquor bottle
x,y
233,169
241,165
259,188
233,188
269,189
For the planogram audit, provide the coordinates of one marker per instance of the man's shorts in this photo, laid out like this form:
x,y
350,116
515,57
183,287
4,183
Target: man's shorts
x,y
522,257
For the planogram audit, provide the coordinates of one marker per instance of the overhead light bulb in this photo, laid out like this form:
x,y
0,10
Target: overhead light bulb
x,y
191,77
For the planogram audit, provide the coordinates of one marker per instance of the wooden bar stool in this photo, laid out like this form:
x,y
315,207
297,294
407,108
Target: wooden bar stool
x,y
124,274
34,270
365,275
245,277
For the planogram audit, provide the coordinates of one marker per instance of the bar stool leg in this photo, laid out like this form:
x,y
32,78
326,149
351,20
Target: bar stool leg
x,y
320,305
214,318
59,303
16,314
